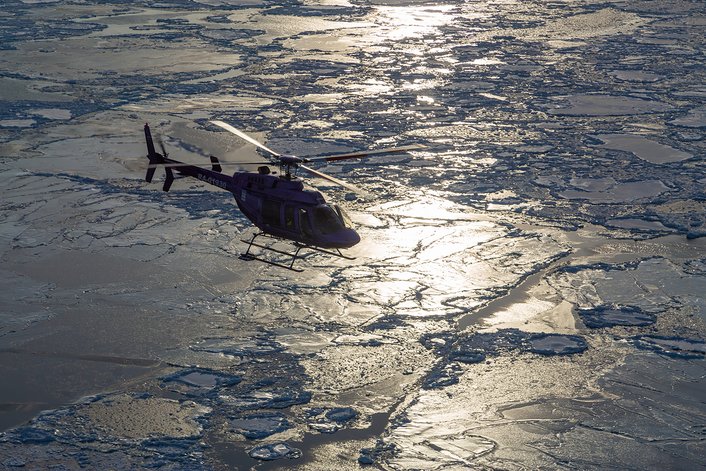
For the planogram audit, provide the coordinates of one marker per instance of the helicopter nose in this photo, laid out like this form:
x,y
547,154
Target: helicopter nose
x,y
351,237
345,238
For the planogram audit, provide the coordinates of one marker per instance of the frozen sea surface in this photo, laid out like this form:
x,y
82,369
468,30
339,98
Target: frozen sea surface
x,y
528,292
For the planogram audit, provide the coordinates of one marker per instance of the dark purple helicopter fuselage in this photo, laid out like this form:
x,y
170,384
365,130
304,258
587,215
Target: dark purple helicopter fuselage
x,y
277,205
283,208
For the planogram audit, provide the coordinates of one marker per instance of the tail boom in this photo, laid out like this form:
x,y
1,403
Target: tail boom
x,y
213,176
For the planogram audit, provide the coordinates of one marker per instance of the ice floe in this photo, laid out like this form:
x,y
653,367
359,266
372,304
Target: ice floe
x,y
200,379
279,398
556,344
258,426
643,148
677,347
275,451
238,348
612,315
607,105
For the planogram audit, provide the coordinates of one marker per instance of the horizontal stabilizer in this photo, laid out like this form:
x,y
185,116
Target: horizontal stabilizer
x,y
150,174
169,179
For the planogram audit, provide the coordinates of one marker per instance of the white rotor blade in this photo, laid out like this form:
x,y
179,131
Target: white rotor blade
x,y
353,155
184,164
244,136
345,185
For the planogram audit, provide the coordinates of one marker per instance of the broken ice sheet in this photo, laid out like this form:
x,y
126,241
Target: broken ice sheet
x,y
636,225
648,404
467,409
477,347
446,261
446,451
116,430
347,367
472,96
642,284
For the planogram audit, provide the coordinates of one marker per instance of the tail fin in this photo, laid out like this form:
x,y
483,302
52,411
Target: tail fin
x,y
155,158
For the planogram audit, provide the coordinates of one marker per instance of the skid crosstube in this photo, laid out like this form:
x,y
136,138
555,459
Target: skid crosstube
x,y
251,243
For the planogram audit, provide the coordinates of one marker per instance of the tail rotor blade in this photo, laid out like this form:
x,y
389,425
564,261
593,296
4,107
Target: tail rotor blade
x,y
244,136
345,185
355,155
160,141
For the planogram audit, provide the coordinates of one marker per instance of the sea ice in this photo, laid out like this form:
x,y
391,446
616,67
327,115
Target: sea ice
x,y
115,285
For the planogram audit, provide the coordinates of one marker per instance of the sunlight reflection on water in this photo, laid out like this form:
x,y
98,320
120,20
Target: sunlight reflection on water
x,y
402,22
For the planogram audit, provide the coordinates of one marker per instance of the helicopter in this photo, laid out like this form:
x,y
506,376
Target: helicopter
x,y
275,202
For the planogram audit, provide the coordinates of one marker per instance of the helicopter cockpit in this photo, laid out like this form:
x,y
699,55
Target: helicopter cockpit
x,y
327,225
330,219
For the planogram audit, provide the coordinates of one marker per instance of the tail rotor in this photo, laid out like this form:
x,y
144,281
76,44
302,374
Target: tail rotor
x,y
156,159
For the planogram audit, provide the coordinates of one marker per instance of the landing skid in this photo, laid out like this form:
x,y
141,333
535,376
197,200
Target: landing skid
x,y
251,243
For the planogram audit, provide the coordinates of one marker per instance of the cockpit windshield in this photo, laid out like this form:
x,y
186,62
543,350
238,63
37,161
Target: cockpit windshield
x,y
326,220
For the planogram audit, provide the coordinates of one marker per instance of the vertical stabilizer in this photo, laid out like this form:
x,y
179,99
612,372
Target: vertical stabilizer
x,y
154,157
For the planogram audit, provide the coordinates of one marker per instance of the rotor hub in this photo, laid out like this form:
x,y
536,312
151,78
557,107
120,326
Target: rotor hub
x,y
292,160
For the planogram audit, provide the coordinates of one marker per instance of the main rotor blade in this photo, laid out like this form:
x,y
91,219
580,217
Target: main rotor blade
x,y
244,136
354,155
184,164
345,185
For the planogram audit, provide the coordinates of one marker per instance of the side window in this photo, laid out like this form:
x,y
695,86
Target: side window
x,y
304,224
270,213
289,217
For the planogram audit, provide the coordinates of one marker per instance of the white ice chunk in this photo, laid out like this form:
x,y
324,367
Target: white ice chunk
x,y
644,148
